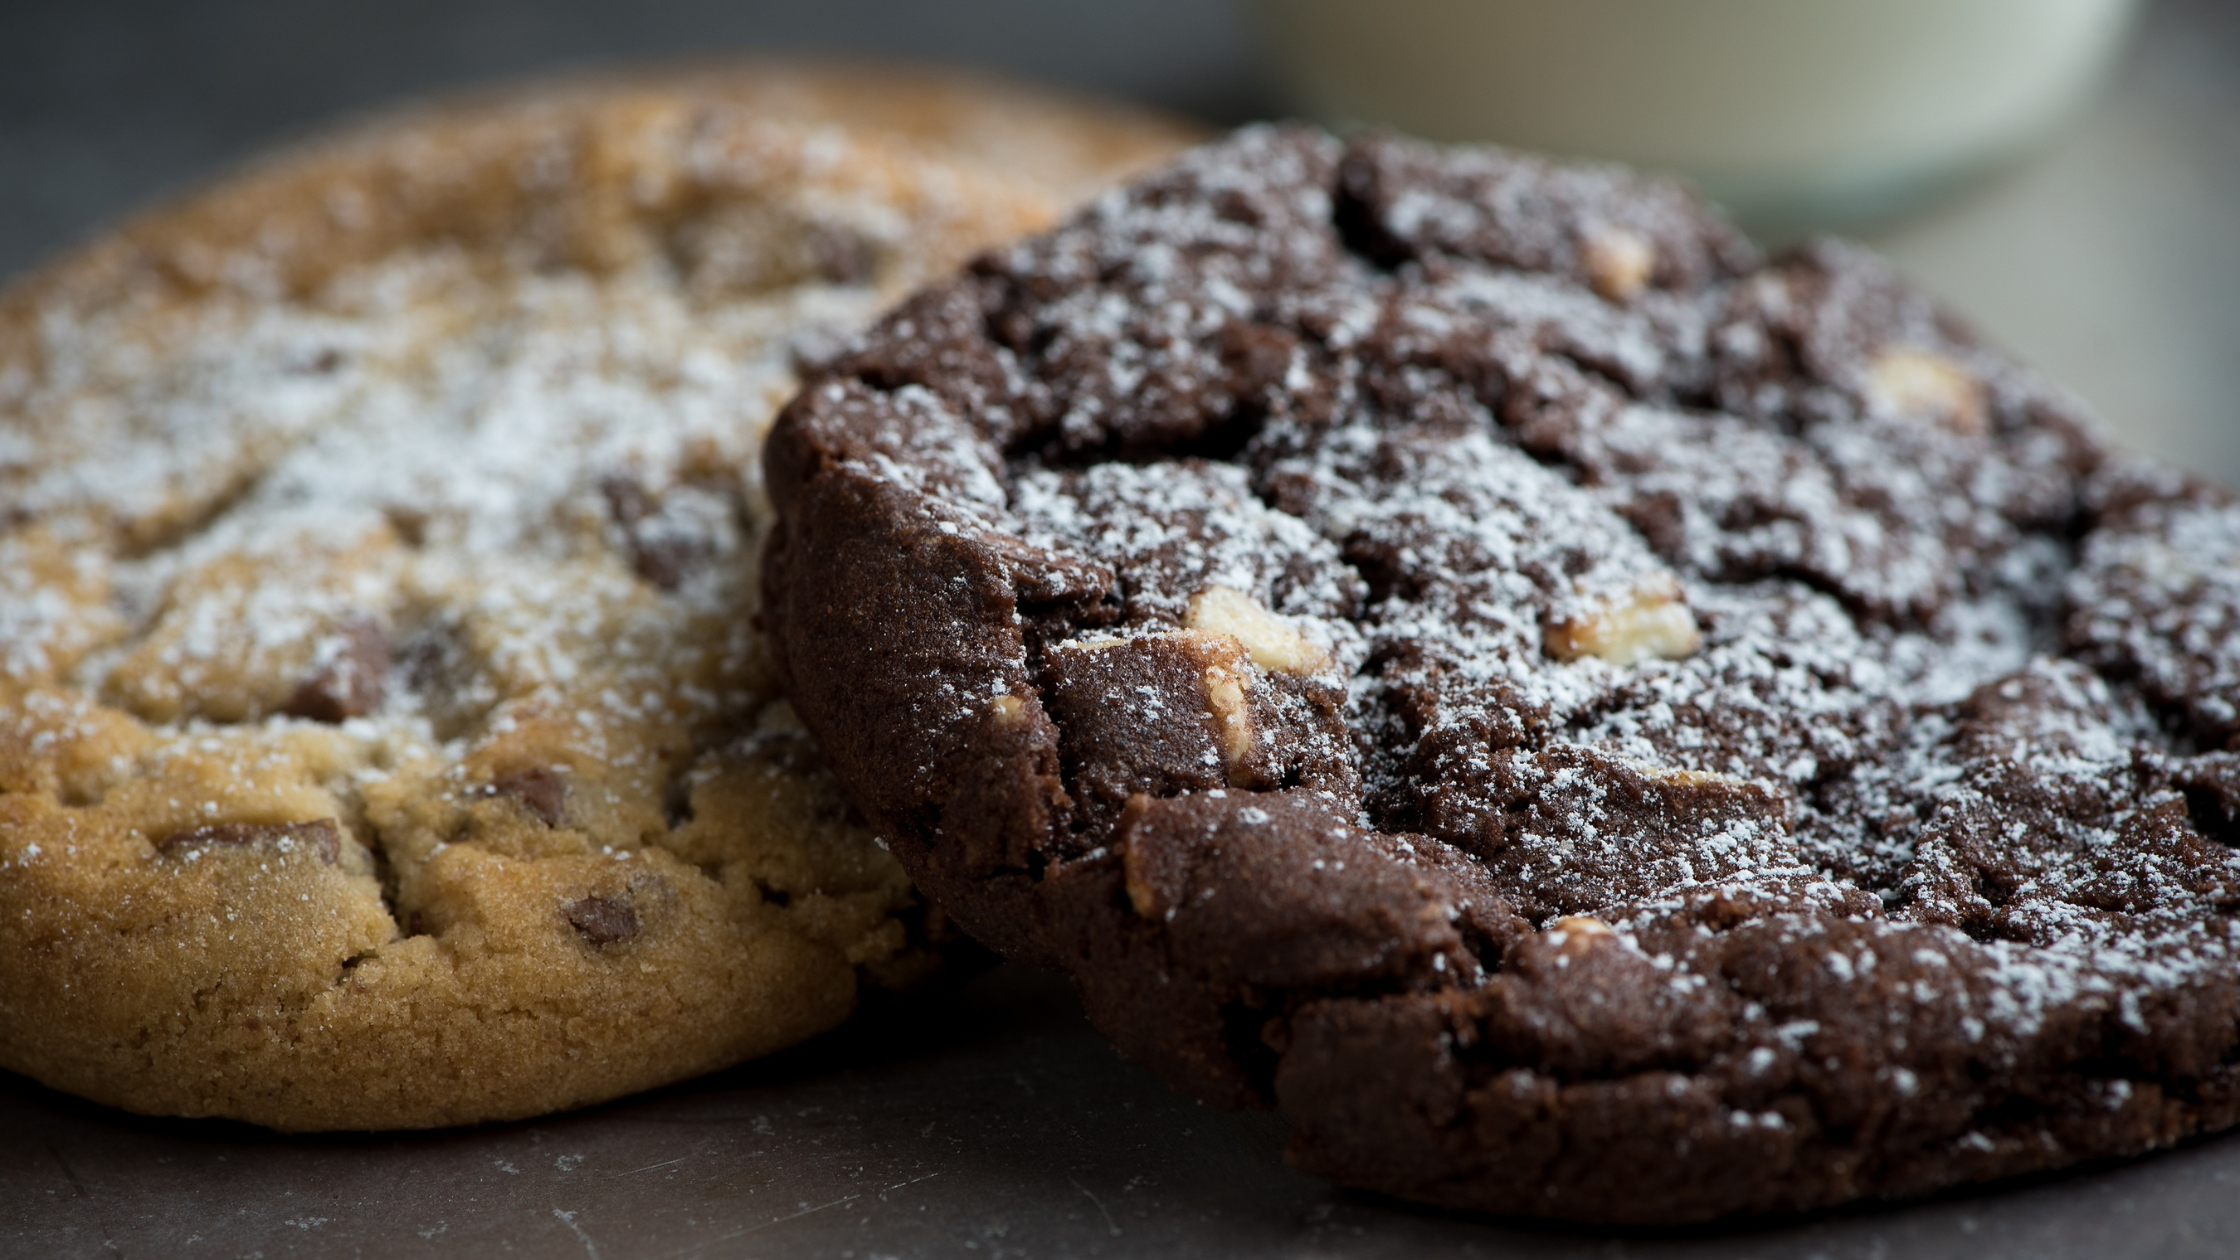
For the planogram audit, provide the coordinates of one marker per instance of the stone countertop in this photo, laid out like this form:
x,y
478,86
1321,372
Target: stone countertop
x,y
986,1122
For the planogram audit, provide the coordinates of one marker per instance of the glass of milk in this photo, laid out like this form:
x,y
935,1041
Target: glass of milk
x,y
1795,114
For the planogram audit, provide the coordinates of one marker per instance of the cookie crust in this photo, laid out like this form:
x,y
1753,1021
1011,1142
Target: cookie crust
x,y
382,741
1589,721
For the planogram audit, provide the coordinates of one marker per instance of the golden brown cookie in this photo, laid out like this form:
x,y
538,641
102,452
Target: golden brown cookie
x,y
383,737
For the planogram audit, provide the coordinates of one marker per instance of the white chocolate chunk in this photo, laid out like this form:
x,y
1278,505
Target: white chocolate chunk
x,y
1269,640
1648,622
1225,698
1619,262
1903,382
1679,776
1575,934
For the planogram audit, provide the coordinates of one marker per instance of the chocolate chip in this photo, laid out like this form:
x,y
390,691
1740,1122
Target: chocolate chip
x,y
663,559
842,255
541,791
411,524
320,362
676,803
420,662
602,920
627,500
320,835
667,562
349,682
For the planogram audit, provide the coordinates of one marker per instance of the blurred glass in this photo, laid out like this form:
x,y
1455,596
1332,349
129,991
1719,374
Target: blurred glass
x,y
1796,114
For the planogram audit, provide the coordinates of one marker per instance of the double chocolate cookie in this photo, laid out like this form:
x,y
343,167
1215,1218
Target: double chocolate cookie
x,y
1589,721
382,739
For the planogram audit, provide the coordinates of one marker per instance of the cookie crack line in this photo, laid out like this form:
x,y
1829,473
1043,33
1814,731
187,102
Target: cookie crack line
x,y
1565,679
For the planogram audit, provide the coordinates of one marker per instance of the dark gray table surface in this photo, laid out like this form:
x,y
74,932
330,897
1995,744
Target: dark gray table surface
x,y
989,1122
992,1121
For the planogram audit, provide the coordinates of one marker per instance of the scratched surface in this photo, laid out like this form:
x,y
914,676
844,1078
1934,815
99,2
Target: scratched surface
x,y
994,1124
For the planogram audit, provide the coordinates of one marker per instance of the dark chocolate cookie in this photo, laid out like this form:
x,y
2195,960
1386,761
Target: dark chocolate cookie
x,y
1590,722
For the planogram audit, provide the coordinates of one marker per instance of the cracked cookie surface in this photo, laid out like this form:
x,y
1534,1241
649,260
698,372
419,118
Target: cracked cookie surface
x,y
383,738
1590,721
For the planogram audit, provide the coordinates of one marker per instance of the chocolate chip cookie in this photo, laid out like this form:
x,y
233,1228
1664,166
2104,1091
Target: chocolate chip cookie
x,y
383,741
1590,721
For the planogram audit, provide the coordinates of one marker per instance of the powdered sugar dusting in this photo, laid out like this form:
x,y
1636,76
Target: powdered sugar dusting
x,y
1381,390
454,482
